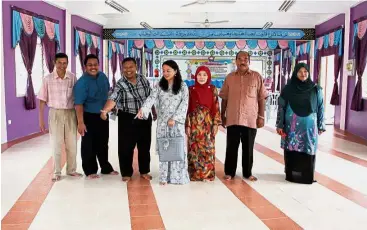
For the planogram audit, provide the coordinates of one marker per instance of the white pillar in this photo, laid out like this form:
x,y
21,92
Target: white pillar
x,y
4,134
311,56
344,84
68,39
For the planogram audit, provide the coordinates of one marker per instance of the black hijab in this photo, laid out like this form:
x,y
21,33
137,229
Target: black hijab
x,y
301,95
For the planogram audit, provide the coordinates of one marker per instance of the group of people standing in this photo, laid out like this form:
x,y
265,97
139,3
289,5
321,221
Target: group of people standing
x,y
193,112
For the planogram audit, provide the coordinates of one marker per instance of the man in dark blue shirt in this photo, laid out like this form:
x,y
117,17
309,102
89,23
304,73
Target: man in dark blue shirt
x,y
90,95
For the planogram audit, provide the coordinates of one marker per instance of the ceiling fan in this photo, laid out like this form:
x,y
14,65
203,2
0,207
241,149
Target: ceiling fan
x,y
202,2
207,23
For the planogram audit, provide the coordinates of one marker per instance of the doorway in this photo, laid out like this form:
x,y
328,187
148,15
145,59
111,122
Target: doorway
x,y
327,84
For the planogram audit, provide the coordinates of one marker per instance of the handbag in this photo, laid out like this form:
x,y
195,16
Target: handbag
x,y
171,147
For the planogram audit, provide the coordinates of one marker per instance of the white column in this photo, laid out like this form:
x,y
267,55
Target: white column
x,y
311,56
68,39
4,134
344,84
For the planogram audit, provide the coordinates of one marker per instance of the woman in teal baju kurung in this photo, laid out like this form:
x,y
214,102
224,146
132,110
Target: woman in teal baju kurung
x,y
300,120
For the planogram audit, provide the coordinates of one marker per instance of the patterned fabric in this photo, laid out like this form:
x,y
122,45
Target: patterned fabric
x,y
129,98
201,149
243,93
57,92
301,132
170,106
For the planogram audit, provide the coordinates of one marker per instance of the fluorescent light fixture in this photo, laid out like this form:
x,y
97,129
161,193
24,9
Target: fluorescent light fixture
x,y
116,6
267,25
286,5
146,25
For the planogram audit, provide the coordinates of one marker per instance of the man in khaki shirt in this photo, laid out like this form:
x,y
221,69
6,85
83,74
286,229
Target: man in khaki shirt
x,y
243,103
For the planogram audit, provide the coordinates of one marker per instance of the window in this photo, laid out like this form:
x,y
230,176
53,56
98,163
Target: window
x,y
39,70
258,66
78,65
118,71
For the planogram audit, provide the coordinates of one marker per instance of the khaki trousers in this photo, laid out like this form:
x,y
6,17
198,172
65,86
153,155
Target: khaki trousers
x,y
63,130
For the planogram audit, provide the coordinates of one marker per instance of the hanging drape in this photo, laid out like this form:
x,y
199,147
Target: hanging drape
x,y
240,44
28,44
26,26
360,55
115,52
137,54
148,62
303,53
84,40
284,69
330,44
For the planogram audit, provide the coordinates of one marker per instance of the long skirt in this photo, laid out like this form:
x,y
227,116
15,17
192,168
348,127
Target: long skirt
x,y
299,167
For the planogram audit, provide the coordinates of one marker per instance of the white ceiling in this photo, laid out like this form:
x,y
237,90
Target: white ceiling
x,y
242,14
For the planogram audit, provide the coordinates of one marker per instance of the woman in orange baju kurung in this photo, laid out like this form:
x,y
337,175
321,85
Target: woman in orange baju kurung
x,y
201,126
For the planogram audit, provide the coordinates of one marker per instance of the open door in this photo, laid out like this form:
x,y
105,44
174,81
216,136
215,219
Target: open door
x,y
327,83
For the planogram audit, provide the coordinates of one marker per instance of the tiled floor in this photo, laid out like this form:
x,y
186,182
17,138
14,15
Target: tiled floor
x,y
338,201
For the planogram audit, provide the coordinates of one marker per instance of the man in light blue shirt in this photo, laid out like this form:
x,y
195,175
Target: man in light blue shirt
x,y
90,95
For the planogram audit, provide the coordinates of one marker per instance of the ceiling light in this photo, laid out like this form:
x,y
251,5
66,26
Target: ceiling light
x,y
146,25
286,5
267,25
116,6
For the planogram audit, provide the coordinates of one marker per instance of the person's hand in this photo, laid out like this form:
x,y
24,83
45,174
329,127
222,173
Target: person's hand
x,y
139,115
171,123
260,122
188,131
224,121
321,131
82,129
281,132
103,115
42,127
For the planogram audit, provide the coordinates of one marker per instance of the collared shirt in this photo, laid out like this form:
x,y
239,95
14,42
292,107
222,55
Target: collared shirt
x,y
130,97
243,93
92,92
57,92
